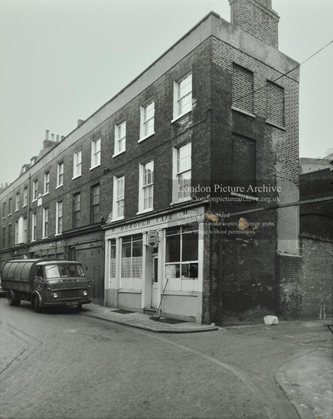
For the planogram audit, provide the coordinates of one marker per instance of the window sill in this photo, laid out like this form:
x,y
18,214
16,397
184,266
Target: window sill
x,y
181,201
75,177
58,234
251,115
117,154
59,186
123,290
241,195
273,124
94,167
9,215
180,116
46,193
118,219
44,237
17,210
147,136
3,218
25,205
145,211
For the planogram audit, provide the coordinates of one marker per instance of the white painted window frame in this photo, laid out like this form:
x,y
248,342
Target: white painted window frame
x,y
96,150
177,98
144,121
142,187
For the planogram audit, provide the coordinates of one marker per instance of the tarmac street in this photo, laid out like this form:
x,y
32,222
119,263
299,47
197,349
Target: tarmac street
x,y
66,364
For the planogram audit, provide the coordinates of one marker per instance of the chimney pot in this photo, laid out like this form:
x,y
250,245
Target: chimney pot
x,y
57,138
62,137
47,134
52,137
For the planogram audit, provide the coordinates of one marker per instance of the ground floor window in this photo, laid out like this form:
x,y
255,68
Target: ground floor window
x,y
131,261
182,243
112,258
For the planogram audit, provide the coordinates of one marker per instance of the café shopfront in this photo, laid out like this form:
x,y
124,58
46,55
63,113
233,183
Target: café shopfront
x,y
161,254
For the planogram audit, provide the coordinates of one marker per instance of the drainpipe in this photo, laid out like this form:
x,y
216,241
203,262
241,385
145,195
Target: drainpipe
x,y
29,216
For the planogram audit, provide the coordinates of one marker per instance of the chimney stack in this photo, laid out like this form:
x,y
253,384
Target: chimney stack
x,y
258,18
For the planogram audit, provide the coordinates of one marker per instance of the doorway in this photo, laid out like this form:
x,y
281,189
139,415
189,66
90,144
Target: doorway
x,y
154,288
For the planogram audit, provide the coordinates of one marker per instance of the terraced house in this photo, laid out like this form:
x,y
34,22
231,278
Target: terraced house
x,y
172,186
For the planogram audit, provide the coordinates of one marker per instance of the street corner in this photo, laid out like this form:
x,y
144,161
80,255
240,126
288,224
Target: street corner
x,y
307,383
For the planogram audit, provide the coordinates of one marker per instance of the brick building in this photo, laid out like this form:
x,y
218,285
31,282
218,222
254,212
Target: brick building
x,y
194,154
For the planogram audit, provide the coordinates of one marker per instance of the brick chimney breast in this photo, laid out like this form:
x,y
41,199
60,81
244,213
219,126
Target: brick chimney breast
x,y
257,18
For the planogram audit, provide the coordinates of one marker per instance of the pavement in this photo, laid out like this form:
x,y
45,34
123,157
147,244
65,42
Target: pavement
x,y
306,379
144,321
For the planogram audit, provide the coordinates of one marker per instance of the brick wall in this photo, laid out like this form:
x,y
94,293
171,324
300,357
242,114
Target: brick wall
x,y
317,277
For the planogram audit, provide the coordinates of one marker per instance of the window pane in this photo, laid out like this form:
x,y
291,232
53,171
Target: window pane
x,y
190,246
172,271
173,248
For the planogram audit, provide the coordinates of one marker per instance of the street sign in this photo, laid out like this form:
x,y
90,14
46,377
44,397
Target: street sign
x,y
152,238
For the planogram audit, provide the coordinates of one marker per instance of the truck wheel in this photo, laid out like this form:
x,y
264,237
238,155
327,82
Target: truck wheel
x,y
79,306
13,300
37,304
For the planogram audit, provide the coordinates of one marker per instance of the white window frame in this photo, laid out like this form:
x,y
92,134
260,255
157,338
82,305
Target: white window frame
x,y
25,197
25,230
118,199
60,174
45,211
178,112
17,201
34,190
145,132
33,226
46,183
119,138
59,208
16,232
96,148
146,184
77,164
176,174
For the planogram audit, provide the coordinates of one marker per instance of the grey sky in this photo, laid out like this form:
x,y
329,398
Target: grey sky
x,y
63,59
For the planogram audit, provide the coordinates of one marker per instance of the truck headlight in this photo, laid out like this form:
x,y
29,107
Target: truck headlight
x,y
54,295
85,293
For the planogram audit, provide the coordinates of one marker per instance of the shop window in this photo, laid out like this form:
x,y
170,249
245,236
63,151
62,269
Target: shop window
x,y
182,252
113,258
131,260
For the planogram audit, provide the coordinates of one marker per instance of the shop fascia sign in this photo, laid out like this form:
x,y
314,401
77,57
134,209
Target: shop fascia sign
x,y
186,216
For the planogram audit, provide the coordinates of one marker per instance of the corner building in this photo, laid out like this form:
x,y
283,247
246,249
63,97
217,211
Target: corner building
x,y
199,148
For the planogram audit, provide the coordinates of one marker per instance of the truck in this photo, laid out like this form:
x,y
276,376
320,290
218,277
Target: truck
x,y
45,283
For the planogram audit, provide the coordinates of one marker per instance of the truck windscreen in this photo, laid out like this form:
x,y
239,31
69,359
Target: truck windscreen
x,y
63,271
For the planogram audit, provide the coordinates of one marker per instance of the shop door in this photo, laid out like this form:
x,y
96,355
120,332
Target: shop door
x,y
154,290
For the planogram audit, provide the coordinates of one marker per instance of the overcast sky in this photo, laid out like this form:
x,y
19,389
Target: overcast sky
x,y
63,59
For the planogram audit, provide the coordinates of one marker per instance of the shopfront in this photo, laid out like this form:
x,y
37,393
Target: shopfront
x,y
159,255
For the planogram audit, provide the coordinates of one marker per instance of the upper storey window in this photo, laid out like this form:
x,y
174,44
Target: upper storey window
x,y
95,153
120,138
147,120
60,174
77,164
182,97
242,89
